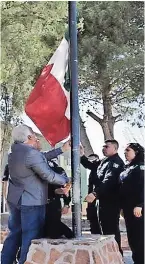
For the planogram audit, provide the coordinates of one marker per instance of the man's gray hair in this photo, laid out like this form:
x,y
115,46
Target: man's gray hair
x,y
21,132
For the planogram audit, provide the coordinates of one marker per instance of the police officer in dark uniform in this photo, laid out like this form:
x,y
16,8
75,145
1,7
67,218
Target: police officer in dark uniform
x,y
92,163
107,190
132,199
54,228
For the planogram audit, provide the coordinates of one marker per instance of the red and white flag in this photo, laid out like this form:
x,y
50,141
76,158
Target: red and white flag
x,y
48,105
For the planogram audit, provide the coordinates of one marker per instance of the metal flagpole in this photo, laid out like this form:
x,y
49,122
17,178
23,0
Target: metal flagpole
x,y
75,122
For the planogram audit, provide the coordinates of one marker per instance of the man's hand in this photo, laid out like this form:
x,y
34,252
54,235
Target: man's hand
x,y
137,211
82,151
90,198
65,209
64,190
66,146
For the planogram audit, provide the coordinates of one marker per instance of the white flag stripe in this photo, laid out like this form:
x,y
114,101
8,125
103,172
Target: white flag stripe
x,y
60,61
60,67
67,112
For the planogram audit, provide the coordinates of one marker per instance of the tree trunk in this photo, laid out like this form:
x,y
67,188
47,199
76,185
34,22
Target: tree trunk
x,y
108,120
84,139
107,129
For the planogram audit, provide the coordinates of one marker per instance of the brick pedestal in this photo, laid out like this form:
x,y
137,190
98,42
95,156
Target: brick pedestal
x,y
92,249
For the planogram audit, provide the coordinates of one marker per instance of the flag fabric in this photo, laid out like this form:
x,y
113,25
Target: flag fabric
x,y
48,105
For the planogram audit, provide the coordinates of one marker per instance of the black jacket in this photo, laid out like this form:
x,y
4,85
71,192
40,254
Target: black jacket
x,y
93,175
52,187
107,187
132,185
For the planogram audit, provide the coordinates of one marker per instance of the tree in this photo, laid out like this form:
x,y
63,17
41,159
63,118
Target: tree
x,y
111,60
31,32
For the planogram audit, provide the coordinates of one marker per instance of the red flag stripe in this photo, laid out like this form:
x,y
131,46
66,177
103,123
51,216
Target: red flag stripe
x,y
46,107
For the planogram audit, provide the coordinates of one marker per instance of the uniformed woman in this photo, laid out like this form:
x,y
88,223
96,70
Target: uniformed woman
x,y
132,199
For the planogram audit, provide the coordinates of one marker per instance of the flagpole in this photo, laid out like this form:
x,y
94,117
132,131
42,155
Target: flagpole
x,y
75,122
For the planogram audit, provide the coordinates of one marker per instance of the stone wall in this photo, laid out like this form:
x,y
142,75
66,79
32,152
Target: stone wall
x,y
92,249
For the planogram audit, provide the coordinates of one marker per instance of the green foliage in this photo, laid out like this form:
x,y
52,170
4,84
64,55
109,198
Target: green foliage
x,y
111,51
110,48
31,32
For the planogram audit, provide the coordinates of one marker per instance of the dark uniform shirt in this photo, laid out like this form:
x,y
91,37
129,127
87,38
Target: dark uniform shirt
x,y
132,185
107,186
54,228
93,176
53,187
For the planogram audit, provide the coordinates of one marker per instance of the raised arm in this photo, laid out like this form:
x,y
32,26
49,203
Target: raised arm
x,y
88,164
52,153
35,160
56,152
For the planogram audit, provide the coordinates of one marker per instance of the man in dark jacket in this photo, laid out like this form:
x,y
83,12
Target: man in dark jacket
x,y
54,228
92,163
107,190
27,193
